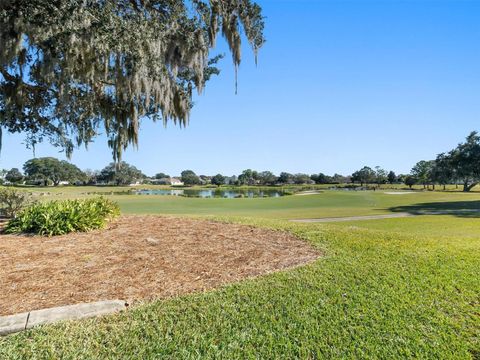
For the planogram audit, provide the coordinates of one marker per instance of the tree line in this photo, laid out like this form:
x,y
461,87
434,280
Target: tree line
x,y
460,165
51,171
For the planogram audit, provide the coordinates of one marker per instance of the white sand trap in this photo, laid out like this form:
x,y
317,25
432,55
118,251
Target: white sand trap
x,y
312,192
399,192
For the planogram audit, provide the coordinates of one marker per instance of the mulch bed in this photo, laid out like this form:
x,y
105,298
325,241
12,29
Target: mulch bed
x,y
139,258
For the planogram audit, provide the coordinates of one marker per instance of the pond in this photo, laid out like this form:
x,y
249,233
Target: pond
x,y
214,193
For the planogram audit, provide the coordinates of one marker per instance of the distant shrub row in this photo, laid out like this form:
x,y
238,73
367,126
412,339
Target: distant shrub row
x,y
63,216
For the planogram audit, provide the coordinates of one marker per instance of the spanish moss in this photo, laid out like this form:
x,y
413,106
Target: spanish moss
x,y
72,69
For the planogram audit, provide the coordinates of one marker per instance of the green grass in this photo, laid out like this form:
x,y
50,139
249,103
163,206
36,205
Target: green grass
x,y
65,190
393,288
326,204
443,230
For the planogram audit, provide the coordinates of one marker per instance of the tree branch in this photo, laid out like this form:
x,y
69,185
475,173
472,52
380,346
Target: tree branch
x,y
20,82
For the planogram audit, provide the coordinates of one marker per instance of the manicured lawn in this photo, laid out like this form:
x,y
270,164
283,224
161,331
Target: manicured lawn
x,y
326,204
393,288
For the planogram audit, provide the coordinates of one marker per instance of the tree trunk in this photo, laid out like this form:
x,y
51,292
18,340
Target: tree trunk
x,y
467,187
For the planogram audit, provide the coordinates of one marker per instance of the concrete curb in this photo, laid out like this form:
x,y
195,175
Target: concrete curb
x,y
19,322
13,323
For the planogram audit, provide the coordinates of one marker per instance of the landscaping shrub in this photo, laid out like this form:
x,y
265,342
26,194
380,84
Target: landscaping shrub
x,y
12,201
62,217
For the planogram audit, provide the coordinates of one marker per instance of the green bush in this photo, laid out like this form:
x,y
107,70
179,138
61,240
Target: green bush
x,y
62,217
12,201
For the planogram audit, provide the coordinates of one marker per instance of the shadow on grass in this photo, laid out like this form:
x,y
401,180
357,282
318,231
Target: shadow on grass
x,y
466,209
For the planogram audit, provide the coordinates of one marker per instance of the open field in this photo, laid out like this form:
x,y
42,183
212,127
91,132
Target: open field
x,y
390,288
325,204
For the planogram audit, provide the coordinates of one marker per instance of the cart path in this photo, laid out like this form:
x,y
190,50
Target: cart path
x,y
354,218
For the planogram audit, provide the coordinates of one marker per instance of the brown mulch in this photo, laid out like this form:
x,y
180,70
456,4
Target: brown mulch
x,y
139,258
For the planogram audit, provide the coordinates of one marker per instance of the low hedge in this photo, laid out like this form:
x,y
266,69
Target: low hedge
x,y
60,217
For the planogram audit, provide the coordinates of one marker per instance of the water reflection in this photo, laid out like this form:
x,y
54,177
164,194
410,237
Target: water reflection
x,y
213,193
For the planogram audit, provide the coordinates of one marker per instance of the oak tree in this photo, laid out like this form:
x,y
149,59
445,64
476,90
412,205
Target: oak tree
x,y
70,69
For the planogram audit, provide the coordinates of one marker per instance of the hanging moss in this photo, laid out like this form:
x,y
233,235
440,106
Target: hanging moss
x,y
70,69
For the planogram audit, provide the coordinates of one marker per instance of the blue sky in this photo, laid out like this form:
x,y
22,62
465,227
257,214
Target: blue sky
x,y
339,85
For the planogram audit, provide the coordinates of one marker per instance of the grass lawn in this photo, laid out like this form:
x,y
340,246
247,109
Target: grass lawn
x,y
326,204
392,288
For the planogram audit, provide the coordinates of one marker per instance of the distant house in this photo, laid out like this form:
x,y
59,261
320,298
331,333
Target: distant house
x,y
167,181
162,181
176,182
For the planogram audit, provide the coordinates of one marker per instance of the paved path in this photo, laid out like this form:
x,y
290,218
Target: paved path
x,y
354,218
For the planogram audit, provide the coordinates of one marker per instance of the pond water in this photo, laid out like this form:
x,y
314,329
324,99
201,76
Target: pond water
x,y
214,193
